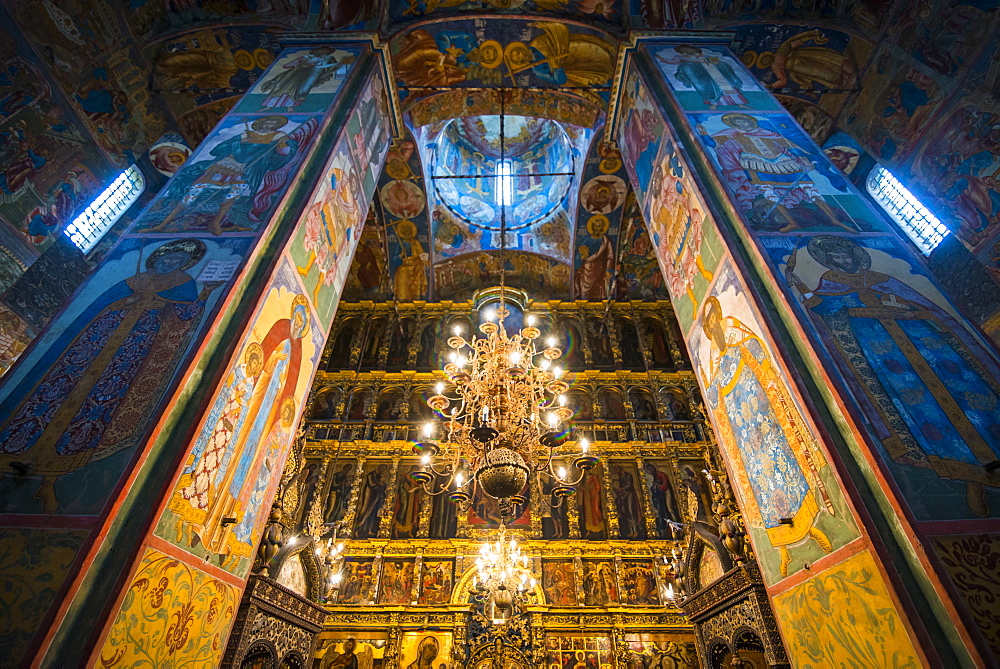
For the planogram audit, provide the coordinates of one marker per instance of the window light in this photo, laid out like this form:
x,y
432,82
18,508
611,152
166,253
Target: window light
x,y
91,224
914,218
505,183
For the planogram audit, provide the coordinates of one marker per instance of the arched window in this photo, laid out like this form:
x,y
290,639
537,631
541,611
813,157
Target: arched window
x,y
91,224
914,218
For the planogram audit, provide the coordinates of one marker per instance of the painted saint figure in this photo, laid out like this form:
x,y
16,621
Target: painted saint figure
x,y
933,389
84,406
289,86
631,523
758,163
373,498
590,506
254,164
661,494
715,80
216,477
762,431
406,516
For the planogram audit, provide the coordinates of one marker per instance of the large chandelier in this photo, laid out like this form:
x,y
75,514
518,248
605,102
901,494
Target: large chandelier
x,y
505,417
503,581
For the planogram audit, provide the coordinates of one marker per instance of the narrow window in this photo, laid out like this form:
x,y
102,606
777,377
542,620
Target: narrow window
x,y
915,219
505,183
91,224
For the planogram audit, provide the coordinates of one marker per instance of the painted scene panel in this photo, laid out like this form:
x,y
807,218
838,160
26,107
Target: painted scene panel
x,y
600,585
571,652
351,649
230,472
663,497
73,410
559,582
358,584
794,506
436,581
666,650
927,383
235,179
396,584
639,587
325,241
300,81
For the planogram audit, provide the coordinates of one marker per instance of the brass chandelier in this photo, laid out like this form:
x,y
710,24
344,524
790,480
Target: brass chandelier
x,y
503,420
506,414
503,580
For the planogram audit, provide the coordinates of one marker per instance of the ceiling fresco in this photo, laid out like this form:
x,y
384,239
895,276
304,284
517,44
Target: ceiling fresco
x,y
608,12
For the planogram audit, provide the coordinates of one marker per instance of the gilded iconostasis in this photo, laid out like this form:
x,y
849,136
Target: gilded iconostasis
x,y
600,558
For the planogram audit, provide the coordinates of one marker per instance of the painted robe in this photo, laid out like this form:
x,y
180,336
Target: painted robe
x,y
713,78
112,363
373,499
764,433
914,362
590,508
407,511
290,87
233,447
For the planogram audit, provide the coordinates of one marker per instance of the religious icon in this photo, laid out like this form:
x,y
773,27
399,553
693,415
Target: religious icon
x,y
374,490
760,426
933,388
559,582
590,505
339,495
639,584
358,581
425,650
628,503
662,497
406,516
397,582
436,583
83,405
600,585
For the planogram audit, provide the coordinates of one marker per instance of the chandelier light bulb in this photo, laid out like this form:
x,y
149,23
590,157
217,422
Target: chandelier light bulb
x,y
515,357
562,472
426,459
439,388
531,319
562,400
454,356
553,420
336,578
545,364
428,429
557,372
457,330
584,444
459,479
489,315
551,341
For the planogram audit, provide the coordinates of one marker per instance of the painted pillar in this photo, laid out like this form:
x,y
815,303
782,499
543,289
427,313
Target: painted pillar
x,y
857,410
143,435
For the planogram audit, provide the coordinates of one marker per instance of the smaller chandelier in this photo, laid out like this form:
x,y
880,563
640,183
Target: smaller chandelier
x,y
503,580
504,421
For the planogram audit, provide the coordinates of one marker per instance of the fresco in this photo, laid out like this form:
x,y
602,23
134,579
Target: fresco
x,y
641,130
587,10
365,280
537,274
639,276
778,177
396,584
796,60
559,582
119,341
680,225
172,615
243,440
34,564
324,243
425,650
103,72
300,82
708,78
970,562
848,156
825,619
15,335
147,18
404,233
436,581
932,389
477,52
777,465
49,167
578,651
234,180
553,104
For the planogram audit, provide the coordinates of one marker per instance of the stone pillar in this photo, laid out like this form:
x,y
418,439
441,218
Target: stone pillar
x,y
855,407
144,434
